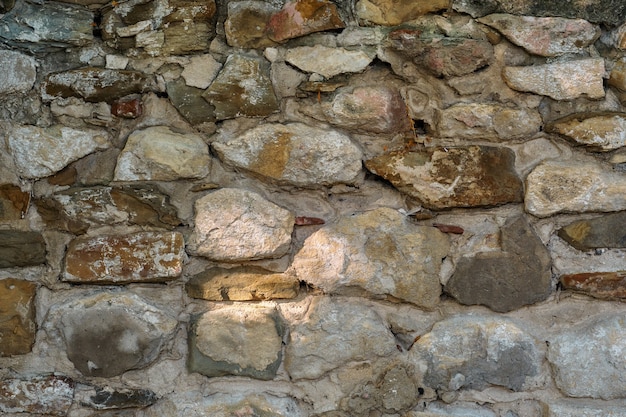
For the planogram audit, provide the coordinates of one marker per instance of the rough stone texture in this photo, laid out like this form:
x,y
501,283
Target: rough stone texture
x,y
241,284
453,176
379,253
560,80
143,257
237,225
40,152
610,285
507,280
13,202
475,352
236,340
48,395
301,17
545,36
17,317
294,154
186,36
326,61
344,330
17,72
557,187
201,70
608,231
589,360
584,408
21,248
247,24
598,132
109,333
391,13
190,103
128,109
617,78
108,398
161,154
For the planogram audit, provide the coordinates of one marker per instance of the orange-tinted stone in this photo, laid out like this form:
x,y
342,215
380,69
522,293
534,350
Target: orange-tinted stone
x,y
303,17
41,395
597,284
13,202
17,316
128,109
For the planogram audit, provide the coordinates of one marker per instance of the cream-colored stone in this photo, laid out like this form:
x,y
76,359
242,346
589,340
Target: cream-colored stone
x,y
326,61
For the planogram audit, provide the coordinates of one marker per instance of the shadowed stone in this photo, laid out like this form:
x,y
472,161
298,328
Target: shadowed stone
x,y
13,202
17,317
301,17
394,12
598,132
21,249
608,231
189,102
608,285
48,395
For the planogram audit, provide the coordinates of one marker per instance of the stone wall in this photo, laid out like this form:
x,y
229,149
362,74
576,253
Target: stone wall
x,y
354,208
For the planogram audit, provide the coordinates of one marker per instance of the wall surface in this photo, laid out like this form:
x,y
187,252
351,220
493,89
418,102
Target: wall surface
x,y
370,208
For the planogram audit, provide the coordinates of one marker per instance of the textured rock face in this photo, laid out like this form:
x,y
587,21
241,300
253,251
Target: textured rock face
x,y
17,72
611,285
600,132
247,24
21,248
602,232
17,316
189,102
380,253
13,202
391,13
301,17
48,395
326,61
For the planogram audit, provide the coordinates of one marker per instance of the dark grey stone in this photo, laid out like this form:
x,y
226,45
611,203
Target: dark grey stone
x,y
108,398
189,102
21,249
608,231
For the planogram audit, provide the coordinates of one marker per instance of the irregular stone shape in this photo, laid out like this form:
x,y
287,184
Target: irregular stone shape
x,y
21,249
159,153
185,37
561,187
49,395
588,360
95,84
379,253
246,25
17,317
241,284
442,178
473,352
372,109
237,225
584,408
598,11
327,61
342,330
128,109
608,285
13,202
17,72
135,257
39,152
77,209
189,102
301,17
391,13
598,132
559,80
504,281
487,121
242,88
236,340
201,70
617,77
233,403
294,154
544,36
97,168
190,10
109,333
108,398
608,231
46,27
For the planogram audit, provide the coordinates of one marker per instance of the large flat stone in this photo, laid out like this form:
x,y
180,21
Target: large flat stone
x,y
597,132
301,17
608,285
392,13
17,316
17,72
247,24
327,61
21,249
608,231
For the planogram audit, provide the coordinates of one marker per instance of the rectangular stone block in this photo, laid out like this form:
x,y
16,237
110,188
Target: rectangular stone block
x,y
17,316
21,248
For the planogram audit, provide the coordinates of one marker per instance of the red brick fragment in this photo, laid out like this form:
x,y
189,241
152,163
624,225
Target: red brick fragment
x,y
128,109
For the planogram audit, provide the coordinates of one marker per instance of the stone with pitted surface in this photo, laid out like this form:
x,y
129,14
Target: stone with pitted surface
x,y
17,316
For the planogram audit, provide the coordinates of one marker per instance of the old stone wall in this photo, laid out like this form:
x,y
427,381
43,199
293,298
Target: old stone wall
x,y
397,208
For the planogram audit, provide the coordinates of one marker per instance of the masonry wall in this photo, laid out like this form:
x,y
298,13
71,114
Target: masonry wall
x,y
313,208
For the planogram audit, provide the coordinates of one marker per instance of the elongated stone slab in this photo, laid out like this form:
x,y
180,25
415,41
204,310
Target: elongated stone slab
x,y
17,316
21,249
608,231
326,61
598,132
608,285
49,395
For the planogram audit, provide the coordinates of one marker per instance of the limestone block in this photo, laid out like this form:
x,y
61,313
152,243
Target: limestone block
x,y
17,72
327,61
301,17
48,395
17,317
19,248
607,231
391,13
598,132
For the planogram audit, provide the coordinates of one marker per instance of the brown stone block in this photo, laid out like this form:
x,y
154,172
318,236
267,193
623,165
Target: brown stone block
x,y
597,284
21,248
302,17
13,202
17,316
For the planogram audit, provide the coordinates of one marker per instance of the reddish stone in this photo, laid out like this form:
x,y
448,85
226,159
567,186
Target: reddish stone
x,y
449,228
49,395
13,202
67,176
17,316
308,221
128,109
597,284
303,17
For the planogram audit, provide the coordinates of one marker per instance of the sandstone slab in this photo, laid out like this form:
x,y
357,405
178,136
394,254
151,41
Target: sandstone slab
x,y
392,13
159,153
17,317
17,72
559,80
247,24
608,285
135,257
236,225
598,132
608,231
327,61
452,177
560,187
19,249
13,202
181,37
301,17
380,254
48,395
294,154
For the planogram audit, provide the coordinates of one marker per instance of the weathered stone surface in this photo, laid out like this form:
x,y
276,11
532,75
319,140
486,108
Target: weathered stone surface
x,y
544,36
391,13
48,395
379,253
236,340
474,352
95,84
40,152
185,37
97,168
17,317
487,121
608,231
78,209
507,280
617,77
189,102
301,17
584,408
452,177
135,257
598,132
108,333
17,72
201,70
237,225
589,361
159,153
294,154
247,24
609,285
343,330
13,202
326,61
241,284
21,248
242,88
128,109
109,398
558,187
559,80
